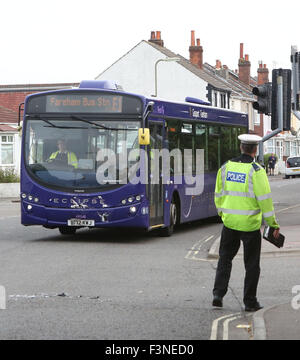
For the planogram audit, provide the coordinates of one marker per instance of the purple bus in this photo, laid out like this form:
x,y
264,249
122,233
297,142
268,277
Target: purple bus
x,y
72,137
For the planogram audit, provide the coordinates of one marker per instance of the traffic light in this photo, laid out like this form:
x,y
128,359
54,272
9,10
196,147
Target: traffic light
x,y
264,98
287,98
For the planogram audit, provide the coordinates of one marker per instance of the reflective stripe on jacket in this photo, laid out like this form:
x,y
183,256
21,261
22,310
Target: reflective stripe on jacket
x,y
72,159
243,196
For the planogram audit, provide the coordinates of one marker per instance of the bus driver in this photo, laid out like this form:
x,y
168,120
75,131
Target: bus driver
x,y
64,156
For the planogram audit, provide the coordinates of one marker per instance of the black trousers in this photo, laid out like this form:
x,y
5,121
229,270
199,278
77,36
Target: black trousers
x,y
229,246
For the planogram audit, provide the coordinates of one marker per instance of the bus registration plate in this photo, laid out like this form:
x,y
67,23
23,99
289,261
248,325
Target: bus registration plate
x,y
80,222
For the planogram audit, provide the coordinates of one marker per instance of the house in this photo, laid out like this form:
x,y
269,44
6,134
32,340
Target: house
x,y
11,96
9,139
176,80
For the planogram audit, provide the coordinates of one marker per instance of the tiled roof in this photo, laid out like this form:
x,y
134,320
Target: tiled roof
x,y
8,116
210,79
232,80
7,128
11,96
37,87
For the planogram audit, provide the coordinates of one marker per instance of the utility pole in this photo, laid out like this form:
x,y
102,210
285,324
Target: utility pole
x,y
280,120
295,60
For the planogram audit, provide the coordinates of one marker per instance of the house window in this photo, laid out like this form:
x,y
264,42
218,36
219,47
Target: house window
x,y
294,151
270,146
216,99
6,149
279,149
223,101
287,148
256,118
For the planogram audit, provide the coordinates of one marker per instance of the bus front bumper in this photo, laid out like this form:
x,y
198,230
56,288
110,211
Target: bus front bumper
x,y
135,215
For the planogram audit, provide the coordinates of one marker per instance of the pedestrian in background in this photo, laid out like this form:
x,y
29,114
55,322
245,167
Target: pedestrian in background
x,y
242,198
271,164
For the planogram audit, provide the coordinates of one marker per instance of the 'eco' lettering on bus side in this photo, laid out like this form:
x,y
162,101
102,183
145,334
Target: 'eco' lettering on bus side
x,y
236,177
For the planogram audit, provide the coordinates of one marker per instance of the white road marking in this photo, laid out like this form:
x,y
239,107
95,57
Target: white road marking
x,y
214,328
196,248
225,326
288,208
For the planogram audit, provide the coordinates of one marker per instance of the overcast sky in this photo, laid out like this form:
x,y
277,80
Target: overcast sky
x,y
46,41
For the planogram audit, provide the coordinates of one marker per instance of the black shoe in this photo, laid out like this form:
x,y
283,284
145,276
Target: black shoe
x,y
253,308
217,301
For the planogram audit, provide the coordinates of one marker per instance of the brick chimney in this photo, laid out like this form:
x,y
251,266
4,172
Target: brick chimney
x,y
218,64
262,74
244,66
196,52
156,38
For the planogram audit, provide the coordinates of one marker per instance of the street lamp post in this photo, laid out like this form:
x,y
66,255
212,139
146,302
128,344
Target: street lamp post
x,y
157,62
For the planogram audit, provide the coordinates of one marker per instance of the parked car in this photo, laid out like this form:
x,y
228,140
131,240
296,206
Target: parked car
x,y
292,166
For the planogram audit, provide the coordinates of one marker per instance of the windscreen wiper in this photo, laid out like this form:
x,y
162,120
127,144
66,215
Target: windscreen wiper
x,y
56,126
46,121
99,126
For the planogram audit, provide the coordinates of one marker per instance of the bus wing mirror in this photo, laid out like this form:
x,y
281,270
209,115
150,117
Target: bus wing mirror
x,y
21,109
144,136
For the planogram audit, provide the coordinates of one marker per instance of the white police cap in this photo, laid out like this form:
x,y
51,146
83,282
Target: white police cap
x,y
250,139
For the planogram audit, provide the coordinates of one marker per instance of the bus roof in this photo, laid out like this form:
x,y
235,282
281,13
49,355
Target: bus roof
x,y
193,111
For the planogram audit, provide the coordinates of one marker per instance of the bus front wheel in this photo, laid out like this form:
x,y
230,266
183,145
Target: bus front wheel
x,y
67,230
168,230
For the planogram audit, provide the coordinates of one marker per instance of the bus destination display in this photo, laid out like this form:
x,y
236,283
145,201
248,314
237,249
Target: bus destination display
x,y
82,103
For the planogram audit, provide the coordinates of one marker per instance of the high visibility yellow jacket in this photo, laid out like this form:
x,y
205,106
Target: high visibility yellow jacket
x,y
72,159
243,196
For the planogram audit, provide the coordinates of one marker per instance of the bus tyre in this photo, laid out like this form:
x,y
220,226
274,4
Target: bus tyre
x,y
67,230
168,231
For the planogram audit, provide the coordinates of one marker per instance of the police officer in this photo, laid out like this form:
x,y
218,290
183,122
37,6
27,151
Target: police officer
x,y
242,198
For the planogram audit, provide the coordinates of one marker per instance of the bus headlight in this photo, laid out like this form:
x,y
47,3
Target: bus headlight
x,y
138,198
131,199
24,196
124,202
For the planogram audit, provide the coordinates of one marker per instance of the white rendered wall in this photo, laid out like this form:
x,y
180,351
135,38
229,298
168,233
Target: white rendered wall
x,y
135,71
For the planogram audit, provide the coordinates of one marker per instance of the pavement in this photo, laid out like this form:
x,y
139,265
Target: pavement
x,y
282,321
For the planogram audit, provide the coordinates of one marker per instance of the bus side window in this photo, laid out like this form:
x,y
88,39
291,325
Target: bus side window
x,y
201,141
214,148
173,141
235,141
227,145
187,142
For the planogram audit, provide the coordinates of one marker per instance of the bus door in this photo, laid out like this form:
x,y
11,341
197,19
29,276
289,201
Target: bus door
x,y
155,174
